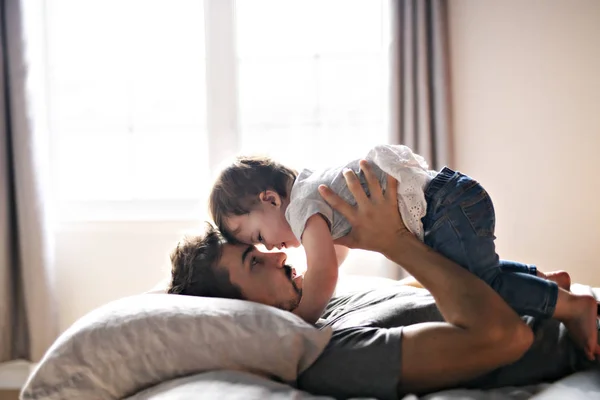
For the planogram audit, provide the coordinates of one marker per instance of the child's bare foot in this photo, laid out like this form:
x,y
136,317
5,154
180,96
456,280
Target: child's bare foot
x,y
583,325
561,278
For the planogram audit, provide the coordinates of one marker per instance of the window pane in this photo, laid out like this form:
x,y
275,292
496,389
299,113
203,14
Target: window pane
x,y
127,98
303,27
353,89
88,87
276,92
313,87
170,166
92,167
167,65
312,146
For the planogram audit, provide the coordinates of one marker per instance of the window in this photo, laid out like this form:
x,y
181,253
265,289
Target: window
x,y
146,96
313,78
126,103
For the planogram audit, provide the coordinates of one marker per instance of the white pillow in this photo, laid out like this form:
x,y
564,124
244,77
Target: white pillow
x,y
136,342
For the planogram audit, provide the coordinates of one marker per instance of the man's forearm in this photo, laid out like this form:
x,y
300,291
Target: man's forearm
x,y
482,332
463,299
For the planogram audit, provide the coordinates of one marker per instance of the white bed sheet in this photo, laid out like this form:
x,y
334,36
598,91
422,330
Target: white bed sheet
x,y
236,385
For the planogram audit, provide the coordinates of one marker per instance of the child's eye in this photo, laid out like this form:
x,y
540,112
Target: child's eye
x,y
260,238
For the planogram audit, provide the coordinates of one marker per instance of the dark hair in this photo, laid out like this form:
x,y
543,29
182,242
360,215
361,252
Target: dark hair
x,y
195,270
236,190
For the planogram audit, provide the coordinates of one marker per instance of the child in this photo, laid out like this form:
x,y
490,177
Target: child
x,y
257,200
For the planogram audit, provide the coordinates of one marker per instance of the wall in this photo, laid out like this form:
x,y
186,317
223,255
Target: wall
x,y
102,261
526,99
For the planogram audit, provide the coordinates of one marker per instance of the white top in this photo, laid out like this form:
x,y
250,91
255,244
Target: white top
x,y
410,169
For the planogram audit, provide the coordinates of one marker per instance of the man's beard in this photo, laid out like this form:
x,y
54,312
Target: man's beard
x,y
288,273
292,304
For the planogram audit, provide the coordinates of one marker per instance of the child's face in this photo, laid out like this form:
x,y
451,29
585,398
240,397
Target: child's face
x,y
265,224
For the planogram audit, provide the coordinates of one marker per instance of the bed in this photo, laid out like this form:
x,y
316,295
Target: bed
x,y
84,364
242,385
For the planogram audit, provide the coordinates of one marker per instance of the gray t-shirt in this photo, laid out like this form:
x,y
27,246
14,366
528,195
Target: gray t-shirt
x,y
363,357
305,200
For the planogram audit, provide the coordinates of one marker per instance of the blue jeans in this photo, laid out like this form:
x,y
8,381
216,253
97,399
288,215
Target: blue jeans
x,y
460,223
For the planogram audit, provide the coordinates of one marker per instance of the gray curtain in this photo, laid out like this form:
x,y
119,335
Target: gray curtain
x,y
421,80
28,322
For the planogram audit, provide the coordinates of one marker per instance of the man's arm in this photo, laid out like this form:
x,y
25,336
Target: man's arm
x,y
481,332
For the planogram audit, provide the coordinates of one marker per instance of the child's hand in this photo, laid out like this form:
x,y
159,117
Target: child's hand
x,y
376,221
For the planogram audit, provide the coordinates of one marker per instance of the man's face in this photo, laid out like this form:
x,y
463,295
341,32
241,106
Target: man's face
x,y
262,277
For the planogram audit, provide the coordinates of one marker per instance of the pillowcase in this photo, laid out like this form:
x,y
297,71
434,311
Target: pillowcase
x,y
136,342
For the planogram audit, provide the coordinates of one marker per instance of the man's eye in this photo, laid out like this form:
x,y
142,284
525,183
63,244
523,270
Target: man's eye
x,y
253,262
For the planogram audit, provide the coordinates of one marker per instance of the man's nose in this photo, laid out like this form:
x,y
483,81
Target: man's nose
x,y
278,259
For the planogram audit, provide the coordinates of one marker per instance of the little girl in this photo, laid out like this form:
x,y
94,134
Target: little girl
x,y
257,200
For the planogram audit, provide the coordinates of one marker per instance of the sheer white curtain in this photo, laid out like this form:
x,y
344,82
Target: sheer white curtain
x,y
28,323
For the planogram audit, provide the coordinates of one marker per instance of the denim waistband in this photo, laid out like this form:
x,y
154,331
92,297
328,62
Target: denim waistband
x,y
443,177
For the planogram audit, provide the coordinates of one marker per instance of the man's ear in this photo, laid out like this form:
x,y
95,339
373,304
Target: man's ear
x,y
270,197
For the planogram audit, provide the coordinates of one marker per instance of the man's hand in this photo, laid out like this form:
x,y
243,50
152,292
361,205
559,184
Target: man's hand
x,y
376,221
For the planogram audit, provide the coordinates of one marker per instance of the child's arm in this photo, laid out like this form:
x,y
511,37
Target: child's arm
x,y
322,269
341,252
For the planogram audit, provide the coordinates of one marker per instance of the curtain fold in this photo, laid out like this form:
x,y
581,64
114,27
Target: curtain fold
x,y
421,80
28,320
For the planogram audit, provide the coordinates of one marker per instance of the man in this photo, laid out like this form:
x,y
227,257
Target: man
x,y
381,346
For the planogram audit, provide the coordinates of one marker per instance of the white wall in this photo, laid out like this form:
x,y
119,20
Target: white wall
x,y
526,98
100,262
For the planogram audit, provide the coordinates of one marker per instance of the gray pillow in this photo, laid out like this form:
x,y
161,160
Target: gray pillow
x,y
136,342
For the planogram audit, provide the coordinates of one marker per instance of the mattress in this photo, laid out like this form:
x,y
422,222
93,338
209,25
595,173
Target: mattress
x,y
237,385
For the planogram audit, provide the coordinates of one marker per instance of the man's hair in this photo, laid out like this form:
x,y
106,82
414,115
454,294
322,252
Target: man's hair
x,y
195,269
236,190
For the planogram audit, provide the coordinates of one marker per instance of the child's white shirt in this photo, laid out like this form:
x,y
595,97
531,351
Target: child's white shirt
x,y
410,169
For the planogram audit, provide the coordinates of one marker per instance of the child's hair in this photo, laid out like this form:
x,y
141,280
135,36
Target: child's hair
x,y
236,190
